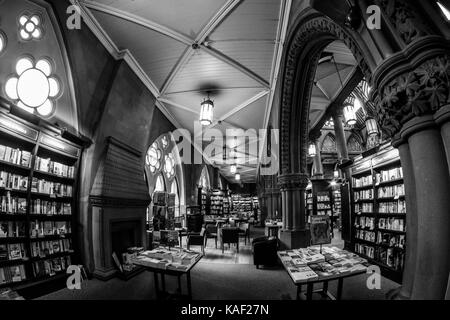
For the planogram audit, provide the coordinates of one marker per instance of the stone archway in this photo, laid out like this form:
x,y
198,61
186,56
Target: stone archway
x,y
313,33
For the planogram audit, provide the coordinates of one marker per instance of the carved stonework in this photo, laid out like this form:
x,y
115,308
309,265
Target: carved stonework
x,y
420,92
309,30
329,144
353,145
293,181
405,19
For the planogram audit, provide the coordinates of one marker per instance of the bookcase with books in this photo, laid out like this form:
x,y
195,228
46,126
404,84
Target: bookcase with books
x,y
379,210
38,183
309,204
217,202
226,204
242,204
204,201
324,204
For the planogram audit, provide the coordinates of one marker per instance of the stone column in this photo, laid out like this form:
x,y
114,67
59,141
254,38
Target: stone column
x,y
443,119
405,291
294,233
317,164
341,142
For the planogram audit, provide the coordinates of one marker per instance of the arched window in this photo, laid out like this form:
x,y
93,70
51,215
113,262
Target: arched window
x,y
174,189
329,144
159,186
353,144
204,179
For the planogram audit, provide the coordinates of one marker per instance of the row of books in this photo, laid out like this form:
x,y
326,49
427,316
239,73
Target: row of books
x,y
387,256
364,207
363,181
364,195
45,207
12,229
12,251
365,235
323,198
392,191
391,224
323,206
51,267
15,156
392,207
365,250
389,175
391,240
51,188
13,205
12,274
43,249
47,228
365,222
392,258
47,165
13,181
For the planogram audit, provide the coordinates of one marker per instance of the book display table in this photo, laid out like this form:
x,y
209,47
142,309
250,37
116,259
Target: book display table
x,y
272,229
175,262
308,266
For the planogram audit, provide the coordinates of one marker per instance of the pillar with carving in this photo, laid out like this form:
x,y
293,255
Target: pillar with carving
x,y
294,233
341,144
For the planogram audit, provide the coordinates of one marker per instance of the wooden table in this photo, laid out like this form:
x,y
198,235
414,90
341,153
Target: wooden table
x,y
322,279
163,294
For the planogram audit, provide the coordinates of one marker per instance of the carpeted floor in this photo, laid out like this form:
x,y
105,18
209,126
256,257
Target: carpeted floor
x,y
221,277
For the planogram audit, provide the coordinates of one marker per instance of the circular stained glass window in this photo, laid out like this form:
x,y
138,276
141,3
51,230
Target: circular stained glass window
x,y
169,166
30,27
33,87
153,157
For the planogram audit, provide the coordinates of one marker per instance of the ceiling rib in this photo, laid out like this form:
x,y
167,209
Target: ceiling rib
x,y
139,20
322,89
179,106
219,55
281,34
209,27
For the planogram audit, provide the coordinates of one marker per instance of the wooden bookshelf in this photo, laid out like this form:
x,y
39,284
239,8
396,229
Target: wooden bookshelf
x,y
39,216
378,210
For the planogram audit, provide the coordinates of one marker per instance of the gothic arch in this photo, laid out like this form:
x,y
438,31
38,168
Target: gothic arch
x,y
329,143
353,142
313,33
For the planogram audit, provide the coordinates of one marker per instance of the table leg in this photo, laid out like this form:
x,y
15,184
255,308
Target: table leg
x,y
299,291
189,286
339,288
325,289
179,284
163,282
155,274
309,291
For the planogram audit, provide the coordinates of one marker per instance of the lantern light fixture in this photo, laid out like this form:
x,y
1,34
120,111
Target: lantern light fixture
x,y
237,177
336,174
349,114
312,150
233,169
206,112
371,126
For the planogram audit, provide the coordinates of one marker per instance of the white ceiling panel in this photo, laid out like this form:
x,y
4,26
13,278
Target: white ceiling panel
x,y
206,71
184,16
156,54
251,117
251,20
255,55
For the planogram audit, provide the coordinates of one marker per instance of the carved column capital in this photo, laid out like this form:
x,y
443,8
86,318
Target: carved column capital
x,y
419,92
293,181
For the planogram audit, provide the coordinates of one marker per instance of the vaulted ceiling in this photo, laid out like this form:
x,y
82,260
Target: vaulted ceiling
x,y
229,48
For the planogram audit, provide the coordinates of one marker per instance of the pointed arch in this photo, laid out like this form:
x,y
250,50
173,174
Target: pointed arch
x,y
329,144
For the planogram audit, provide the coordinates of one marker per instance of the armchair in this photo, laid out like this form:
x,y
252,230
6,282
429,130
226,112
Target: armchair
x,y
244,231
211,233
265,251
197,239
230,235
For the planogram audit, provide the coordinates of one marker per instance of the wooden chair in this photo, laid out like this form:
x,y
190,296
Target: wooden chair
x,y
211,233
230,235
194,239
244,231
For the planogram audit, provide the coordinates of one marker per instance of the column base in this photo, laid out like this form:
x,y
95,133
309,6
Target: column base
x,y
104,274
396,294
293,239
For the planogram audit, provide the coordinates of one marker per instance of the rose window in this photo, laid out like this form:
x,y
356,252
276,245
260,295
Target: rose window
x,y
169,166
33,87
30,27
153,158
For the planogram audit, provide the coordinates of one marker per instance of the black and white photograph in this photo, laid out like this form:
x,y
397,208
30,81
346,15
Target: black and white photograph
x,y
187,153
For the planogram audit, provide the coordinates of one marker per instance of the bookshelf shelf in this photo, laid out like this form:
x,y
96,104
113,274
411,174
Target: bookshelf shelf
x,y
376,191
34,158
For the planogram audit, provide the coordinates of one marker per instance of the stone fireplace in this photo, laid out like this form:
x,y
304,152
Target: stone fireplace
x,y
118,201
